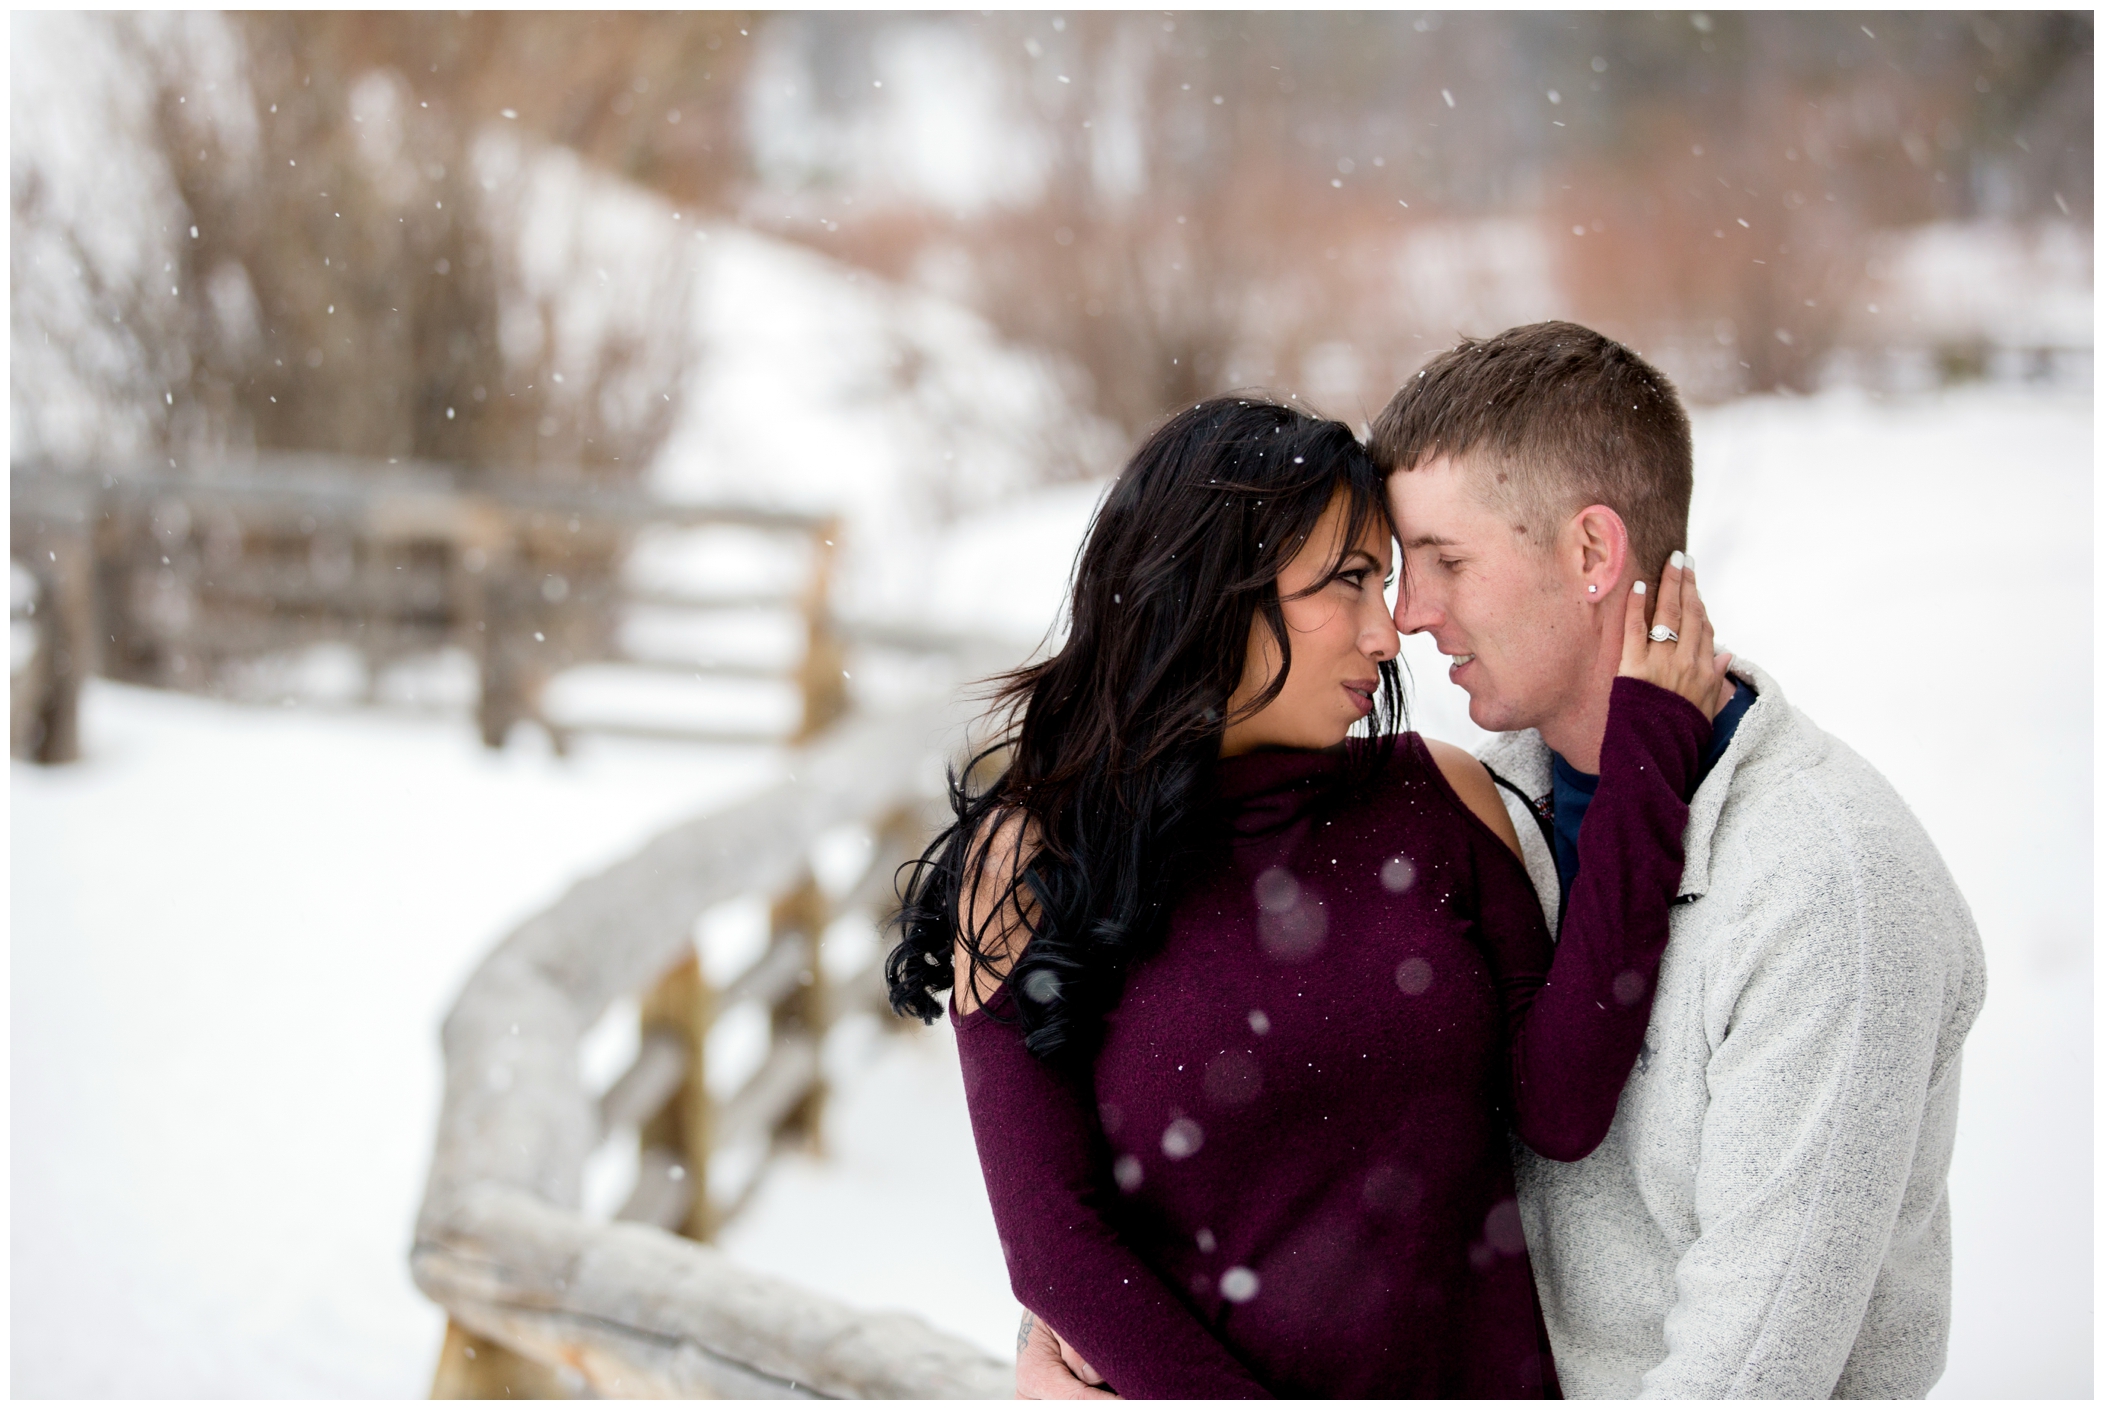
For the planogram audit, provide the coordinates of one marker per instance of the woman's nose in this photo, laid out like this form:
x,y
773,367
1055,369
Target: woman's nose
x,y
1380,640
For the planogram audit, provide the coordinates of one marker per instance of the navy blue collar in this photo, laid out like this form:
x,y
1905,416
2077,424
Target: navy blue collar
x,y
1726,725
1571,792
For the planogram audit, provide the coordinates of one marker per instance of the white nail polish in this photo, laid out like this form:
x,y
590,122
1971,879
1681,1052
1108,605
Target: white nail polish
x,y
1639,588
1679,559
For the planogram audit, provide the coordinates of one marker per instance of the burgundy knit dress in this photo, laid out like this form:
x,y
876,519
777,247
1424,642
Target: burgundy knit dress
x,y
1286,1171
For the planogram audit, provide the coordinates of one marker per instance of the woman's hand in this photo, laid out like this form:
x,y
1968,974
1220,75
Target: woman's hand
x,y
1046,1368
1690,667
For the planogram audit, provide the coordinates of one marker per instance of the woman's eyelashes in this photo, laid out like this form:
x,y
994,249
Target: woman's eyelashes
x,y
1355,578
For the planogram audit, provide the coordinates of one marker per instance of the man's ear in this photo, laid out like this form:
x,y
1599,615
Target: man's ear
x,y
1600,541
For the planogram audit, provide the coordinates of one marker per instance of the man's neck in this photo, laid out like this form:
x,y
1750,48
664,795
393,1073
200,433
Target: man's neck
x,y
1577,731
1576,738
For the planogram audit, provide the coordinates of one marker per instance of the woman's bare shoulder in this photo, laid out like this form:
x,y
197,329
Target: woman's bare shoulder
x,y
1470,781
992,916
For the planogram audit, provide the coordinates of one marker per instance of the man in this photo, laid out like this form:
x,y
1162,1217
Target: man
x,y
1767,1216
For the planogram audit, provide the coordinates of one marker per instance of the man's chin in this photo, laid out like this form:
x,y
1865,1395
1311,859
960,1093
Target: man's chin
x,y
1488,713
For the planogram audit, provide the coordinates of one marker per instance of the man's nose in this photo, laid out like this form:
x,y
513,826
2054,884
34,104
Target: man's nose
x,y
1416,612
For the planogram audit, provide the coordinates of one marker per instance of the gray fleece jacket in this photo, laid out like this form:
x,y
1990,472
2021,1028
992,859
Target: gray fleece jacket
x,y
1767,1216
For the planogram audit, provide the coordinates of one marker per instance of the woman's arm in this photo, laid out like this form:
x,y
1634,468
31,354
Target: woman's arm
x,y
1047,1174
1575,1032
1047,1171
1574,1039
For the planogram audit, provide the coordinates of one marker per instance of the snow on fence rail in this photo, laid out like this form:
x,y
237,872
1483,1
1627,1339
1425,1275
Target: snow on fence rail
x,y
544,1300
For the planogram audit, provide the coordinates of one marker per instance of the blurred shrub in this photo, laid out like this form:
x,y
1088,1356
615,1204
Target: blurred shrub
x,y
347,259
1318,201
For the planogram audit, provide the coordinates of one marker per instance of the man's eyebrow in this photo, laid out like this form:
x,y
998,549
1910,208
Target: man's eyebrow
x,y
1430,541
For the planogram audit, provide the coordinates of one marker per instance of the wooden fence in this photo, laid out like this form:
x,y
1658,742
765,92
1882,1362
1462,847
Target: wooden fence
x,y
544,1301
166,581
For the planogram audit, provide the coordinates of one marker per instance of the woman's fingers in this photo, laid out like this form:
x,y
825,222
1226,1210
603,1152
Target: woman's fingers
x,y
1689,665
1634,645
1670,589
1705,665
1693,618
1698,647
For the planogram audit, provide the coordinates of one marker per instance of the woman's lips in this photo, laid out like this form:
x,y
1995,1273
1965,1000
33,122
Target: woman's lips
x,y
1361,693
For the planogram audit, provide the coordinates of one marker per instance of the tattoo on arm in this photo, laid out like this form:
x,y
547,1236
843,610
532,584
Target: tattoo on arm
x,y
1022,1333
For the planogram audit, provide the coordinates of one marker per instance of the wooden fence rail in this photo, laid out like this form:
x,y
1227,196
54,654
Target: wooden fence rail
x,y
638,1312
164,580
536,1291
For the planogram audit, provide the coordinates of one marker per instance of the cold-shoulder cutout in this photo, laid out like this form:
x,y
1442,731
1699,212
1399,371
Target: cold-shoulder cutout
x,y
991,914
1471,783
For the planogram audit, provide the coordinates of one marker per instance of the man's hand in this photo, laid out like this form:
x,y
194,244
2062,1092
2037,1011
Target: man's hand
x,y
1046,1368
1689,666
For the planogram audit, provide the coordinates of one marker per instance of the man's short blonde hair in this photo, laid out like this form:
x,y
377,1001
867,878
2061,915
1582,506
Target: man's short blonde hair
x,y
1552,417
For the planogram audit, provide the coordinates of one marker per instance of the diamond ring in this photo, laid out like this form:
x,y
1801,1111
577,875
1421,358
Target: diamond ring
x,y
1662,633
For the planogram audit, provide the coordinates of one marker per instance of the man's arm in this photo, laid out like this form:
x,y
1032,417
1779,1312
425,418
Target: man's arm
x,y
1824,1047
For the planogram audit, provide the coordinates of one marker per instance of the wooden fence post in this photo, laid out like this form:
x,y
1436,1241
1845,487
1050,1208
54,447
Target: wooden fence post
x,y
71,646
684,1004
54,529
632,1308
475,1368
823,678
507,664
799,918
901,835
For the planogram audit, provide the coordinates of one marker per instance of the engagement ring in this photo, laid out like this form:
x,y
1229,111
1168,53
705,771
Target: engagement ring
x,y
1664,634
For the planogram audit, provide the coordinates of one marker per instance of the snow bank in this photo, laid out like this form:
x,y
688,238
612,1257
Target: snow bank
x,y
235,931
2018,286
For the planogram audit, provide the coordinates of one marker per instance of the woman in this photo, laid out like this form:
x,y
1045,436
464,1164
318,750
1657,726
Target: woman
x,y
1248,986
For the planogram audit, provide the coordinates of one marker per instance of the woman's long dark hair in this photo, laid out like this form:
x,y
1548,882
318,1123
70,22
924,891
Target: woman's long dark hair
x,y
1110,765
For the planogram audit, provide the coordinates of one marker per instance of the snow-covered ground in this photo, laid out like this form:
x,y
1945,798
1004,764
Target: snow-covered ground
x,y
236,928
1918,576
